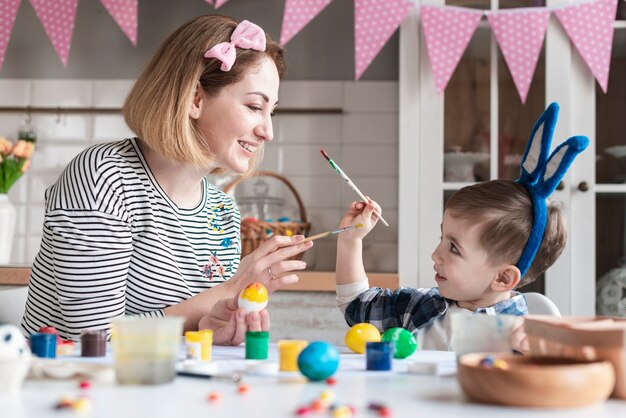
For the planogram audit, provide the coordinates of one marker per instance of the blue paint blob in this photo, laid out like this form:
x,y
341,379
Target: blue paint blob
x,y
319,360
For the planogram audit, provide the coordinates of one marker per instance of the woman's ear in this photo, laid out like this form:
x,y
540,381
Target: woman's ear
x,y
196,104
506,280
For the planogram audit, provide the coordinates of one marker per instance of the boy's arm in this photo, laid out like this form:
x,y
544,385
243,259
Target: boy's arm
x,y
349,267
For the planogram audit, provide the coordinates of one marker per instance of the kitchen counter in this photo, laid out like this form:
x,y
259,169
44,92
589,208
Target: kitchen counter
x,y
310,281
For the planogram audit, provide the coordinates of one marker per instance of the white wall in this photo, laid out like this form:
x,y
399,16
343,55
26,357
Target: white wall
x,y
363,140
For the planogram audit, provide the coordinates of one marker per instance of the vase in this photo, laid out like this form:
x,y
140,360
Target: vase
x,y
7,228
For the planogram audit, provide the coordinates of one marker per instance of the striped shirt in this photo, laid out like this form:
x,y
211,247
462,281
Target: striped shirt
x,y
114,244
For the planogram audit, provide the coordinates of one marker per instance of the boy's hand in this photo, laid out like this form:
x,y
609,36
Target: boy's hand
x,y
360,213
519,338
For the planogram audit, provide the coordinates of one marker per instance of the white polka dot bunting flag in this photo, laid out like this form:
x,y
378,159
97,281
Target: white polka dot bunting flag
x,y
124,12
374,23
447,31
219,3
298,14
520,34
8,11
590,27
57,18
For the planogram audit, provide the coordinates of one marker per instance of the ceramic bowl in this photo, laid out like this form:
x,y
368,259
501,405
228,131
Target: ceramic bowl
x,y
527,381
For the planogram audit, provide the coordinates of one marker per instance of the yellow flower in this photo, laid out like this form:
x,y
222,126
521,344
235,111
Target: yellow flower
x,y
23,149
5,146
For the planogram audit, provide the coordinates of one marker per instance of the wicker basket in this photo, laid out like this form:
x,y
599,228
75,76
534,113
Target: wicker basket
x,y
254,233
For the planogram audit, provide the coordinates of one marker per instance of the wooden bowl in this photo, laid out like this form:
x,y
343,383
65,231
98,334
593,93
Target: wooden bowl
x,y
547,382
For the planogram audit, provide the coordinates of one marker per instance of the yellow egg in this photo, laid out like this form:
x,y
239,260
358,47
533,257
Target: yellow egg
x,y
253,298
359,335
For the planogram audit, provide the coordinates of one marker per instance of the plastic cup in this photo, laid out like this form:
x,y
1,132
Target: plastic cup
x,y
289,351
479,333
199,344
379,355
145,350
257,345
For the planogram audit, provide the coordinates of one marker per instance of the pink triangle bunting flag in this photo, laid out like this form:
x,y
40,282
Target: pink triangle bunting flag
x,y
57,18
8,12
374,23
298,14
590,27
520,35
124,12
219,3
447,31
210,2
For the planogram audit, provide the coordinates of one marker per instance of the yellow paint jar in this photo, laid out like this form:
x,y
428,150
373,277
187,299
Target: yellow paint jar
x,y
199,344
289,351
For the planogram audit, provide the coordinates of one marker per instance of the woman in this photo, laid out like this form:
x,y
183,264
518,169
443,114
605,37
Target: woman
x,y
134,228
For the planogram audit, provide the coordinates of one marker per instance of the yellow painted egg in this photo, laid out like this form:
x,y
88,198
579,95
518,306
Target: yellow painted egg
x,y
253,298
359,335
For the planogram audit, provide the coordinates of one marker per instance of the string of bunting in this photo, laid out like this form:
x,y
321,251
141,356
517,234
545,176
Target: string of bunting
x,y
519,32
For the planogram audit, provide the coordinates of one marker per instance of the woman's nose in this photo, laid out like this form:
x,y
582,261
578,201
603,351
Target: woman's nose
x,y
265,129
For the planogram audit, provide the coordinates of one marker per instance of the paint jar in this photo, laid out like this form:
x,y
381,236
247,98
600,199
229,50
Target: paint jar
x,y
199,344
289,351
93,343
43,345
257,345
145,350
379,355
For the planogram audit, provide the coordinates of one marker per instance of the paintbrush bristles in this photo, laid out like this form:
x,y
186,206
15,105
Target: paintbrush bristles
x,y
324,154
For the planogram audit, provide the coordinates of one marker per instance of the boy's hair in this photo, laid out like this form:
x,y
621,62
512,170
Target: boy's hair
x,y
157,107
504,210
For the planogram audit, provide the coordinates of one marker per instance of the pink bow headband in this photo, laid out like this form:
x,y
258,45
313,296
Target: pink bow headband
x,y
247,35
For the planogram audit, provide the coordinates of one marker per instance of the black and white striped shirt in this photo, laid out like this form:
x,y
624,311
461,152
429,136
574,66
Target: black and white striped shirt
x,y
114,244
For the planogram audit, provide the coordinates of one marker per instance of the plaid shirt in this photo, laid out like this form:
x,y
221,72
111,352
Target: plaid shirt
x,y
412,308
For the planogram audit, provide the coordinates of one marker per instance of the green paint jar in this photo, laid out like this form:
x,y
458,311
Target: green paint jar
x,y
257,345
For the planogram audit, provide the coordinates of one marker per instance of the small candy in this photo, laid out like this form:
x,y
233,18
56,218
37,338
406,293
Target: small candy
x,y
384,412
302,411
82,405
331,381
487,361
327,396
84,384
214,397
64,403
253,298
342,412
243,389
500,364
318,405
375,406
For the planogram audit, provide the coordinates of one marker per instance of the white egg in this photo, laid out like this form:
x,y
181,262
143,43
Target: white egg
x,y
12,342
251,306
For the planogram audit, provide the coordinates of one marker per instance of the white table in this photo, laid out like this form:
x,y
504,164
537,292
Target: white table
x,y
280,394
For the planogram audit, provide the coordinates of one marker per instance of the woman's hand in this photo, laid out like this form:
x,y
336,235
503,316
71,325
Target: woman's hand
x,y
269,264
360,213
229,324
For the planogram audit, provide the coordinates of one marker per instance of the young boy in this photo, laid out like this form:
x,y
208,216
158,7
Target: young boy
x,y
496,236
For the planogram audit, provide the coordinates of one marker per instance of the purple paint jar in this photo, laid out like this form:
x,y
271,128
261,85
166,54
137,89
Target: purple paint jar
x,y
93,343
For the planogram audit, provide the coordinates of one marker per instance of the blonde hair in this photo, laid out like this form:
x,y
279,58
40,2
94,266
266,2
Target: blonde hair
x,y
157,107
504,210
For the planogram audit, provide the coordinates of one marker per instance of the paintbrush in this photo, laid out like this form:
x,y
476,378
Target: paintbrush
x,y
328,233
347,179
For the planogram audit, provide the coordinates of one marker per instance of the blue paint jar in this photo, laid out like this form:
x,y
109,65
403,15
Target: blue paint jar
x,y
44,345
379,355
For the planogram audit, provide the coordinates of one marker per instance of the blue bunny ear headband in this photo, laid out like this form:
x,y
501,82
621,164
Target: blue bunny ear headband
x,y
542,173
